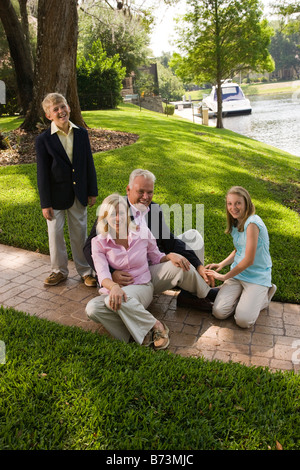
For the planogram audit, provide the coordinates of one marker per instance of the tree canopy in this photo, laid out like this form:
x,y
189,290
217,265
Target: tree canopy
x,y
48,61
219,39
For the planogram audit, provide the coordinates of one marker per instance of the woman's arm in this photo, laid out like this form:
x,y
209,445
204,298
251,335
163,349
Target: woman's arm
x,y
248,260
116,294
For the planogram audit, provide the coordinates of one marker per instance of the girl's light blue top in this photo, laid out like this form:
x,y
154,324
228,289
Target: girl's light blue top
x,y
260,271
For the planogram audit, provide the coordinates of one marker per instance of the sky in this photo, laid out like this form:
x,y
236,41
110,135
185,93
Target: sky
x,y
164,30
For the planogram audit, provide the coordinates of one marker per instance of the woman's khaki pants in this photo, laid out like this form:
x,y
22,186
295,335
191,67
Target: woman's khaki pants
x,y
132,319
245,298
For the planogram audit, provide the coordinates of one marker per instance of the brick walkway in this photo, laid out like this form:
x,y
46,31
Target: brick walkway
x,y
274,341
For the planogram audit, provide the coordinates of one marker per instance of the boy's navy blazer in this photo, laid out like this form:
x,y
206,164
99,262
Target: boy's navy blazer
x,y
59,180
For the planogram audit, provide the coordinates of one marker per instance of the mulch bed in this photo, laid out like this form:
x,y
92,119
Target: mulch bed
x,y
20,144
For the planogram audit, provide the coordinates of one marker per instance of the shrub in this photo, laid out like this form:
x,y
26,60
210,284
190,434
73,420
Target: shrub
x,y
99,79
169,109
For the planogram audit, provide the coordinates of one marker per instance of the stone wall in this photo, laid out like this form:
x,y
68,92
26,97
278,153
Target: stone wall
x,y
153,103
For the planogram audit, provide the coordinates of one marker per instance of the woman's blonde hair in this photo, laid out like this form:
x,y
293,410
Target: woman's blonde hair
x,y
250,209
108,208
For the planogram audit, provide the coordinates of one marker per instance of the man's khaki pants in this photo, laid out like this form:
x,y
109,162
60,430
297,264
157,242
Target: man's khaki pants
x,y
133,318
165,276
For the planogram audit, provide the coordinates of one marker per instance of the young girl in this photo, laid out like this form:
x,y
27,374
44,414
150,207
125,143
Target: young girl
x,y
247,288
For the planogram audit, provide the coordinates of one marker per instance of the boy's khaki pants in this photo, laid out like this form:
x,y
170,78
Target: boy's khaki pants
x,y
77,224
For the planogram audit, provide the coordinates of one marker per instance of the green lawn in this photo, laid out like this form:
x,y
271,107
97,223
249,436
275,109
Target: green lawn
x,y
66,389
270,88
193,165
62,388
254,89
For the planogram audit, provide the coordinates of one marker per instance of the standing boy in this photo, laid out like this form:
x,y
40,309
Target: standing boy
x,y
67,183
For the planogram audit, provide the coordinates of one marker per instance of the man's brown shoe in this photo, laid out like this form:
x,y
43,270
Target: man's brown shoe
x,y
54,279
89,281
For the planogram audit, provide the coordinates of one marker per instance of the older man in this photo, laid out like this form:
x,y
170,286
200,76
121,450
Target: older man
x,y
140,192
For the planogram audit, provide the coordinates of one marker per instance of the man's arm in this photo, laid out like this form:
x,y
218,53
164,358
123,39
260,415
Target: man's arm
x,y
166,240
87,249
168,243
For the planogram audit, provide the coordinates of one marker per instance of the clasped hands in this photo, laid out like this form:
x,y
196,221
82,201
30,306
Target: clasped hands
x,y
122,279
212,270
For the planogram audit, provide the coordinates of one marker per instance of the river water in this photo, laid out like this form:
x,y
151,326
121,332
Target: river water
x,y
275,120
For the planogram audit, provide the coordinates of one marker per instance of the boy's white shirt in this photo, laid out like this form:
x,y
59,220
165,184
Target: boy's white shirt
x,y
66,139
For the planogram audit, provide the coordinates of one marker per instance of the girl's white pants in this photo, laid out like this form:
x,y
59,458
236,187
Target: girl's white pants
x,y
244,298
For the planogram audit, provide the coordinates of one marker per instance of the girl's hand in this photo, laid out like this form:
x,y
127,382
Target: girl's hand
x,y
216,275
116,296
216,266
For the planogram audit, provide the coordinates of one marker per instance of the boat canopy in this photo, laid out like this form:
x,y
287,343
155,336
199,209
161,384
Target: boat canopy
x,y
230,93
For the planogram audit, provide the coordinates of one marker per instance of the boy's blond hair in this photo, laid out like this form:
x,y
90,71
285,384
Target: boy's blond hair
x,y
51,99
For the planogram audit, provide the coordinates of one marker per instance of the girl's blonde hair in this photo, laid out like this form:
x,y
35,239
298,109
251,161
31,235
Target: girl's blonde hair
x,y
250,209
108,208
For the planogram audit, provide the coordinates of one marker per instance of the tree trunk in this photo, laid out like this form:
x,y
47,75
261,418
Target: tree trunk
x,y
19,51
219,66
25,27
55,68
220,105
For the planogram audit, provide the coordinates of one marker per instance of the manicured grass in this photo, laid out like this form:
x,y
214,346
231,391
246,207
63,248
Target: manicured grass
x,y
66,389
8,123
63,388
270,88
193,164
197,94
255,89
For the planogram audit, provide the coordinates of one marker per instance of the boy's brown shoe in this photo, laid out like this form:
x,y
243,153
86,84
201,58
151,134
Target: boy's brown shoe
x,y
54,279
89,281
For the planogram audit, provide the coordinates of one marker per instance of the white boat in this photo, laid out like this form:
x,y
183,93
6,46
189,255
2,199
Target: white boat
x,y
233,100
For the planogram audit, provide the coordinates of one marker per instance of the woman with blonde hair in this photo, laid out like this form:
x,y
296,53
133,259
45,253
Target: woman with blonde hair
x,y
247,287
120,244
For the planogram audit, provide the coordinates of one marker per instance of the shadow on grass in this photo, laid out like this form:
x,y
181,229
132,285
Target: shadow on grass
x,y
193,164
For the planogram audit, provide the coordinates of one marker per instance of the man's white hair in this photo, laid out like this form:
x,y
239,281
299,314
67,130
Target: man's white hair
x,y
139,172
